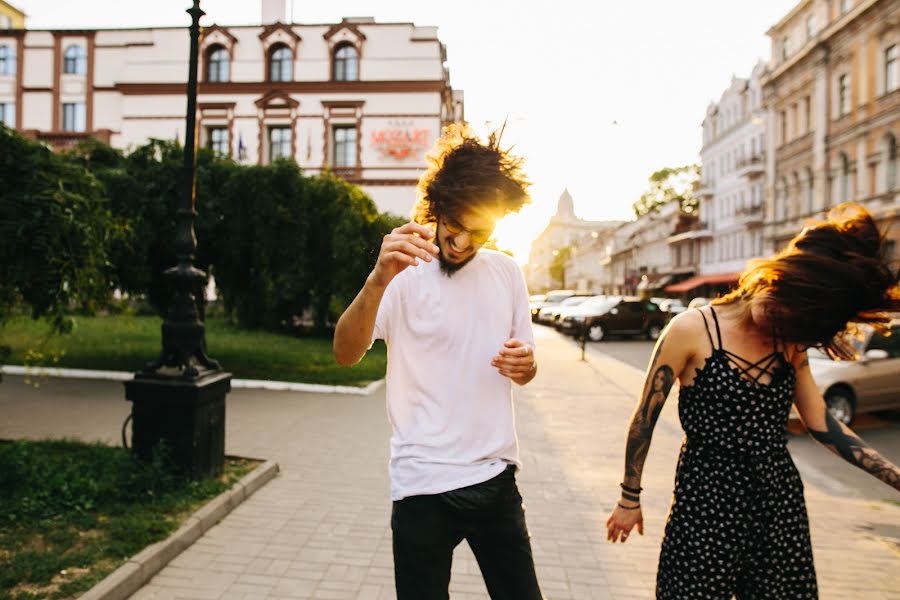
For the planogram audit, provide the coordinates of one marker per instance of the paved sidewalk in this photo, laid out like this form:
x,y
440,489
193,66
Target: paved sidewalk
x,y
321,529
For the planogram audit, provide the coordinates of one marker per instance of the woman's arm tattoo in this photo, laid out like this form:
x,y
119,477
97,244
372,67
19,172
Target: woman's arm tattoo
x,y
644,419
856,452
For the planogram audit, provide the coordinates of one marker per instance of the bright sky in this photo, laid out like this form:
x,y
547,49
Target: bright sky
x,y
599,94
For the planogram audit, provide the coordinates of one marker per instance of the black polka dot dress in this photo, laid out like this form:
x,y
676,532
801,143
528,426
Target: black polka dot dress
x,y
738,525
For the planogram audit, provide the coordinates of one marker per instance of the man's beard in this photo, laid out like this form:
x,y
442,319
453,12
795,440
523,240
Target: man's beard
x,y
449,268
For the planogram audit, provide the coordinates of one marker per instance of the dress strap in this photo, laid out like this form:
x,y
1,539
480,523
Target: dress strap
x,y
706,324
716,319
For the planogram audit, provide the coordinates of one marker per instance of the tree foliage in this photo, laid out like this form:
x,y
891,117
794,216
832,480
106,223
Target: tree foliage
x,y
558,265
668,184
56,229
74,226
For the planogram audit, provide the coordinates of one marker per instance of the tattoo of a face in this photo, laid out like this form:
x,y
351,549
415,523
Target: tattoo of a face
x,y
656,390
857,452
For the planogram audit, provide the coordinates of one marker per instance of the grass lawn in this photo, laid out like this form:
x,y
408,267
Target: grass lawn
x,y
126,343
71,513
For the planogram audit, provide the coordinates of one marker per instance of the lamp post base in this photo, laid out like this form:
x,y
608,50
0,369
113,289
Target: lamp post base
x,y
188,414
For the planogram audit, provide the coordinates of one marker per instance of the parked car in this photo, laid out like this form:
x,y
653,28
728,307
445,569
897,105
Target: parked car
x,y
698,302
570,320
673,306
870,383
623,316
552,298
549,314
535,301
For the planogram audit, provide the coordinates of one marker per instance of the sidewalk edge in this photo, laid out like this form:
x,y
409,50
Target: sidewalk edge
x,y
251,384
140,568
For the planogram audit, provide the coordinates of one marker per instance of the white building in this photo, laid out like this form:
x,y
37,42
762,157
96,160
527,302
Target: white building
x,y
733,183
361,98
565,230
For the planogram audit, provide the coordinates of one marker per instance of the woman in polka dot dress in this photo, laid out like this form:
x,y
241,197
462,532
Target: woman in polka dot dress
x,y
738,525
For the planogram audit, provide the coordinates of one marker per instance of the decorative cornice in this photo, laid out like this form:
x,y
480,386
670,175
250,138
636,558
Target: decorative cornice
x,y
279,26
344,24
271,99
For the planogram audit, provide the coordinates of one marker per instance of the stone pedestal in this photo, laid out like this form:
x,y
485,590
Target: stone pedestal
x,y
189,414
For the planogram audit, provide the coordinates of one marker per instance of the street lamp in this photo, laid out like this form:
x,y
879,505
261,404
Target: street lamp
x,y
179,399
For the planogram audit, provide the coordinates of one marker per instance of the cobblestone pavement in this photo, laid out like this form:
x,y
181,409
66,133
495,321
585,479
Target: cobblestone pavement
x,y
321,529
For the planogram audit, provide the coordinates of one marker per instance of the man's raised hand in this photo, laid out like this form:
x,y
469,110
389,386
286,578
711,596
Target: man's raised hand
x,y
401,248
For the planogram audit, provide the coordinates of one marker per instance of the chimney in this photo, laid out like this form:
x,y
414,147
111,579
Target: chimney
x,y
274,11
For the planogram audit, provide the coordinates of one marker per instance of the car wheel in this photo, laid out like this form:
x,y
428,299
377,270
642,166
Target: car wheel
x,y
841,405
653,332
596,332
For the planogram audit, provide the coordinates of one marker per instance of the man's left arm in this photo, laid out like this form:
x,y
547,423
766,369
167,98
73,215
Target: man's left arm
x,y
516,358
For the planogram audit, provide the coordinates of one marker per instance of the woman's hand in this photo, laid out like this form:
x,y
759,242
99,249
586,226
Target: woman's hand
x,y
622,521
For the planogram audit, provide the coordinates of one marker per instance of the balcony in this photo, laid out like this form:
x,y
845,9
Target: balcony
x,y
751,167
750,216
66,140
706,191
698,232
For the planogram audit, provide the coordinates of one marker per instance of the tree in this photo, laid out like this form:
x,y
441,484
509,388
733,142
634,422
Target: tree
x,y
669,184
55,232
558,265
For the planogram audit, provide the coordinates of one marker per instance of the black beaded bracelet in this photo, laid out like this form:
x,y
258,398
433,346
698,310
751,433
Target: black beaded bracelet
x,y
631,489
628,507
631,497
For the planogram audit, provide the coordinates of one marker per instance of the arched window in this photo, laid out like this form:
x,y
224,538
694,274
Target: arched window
x,y
845,178
280,63
75,60
890,167
346,63
7,60
217,64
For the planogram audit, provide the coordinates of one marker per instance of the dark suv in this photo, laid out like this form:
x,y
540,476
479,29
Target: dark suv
x,y
622,316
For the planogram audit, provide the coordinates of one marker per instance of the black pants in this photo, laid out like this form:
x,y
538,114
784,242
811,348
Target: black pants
x,y
489,516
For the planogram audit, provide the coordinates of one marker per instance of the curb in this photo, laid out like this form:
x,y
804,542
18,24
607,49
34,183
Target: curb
x,y
250,384
140,568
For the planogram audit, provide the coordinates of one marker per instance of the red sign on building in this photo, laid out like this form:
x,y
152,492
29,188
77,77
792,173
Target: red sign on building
x,y
399,143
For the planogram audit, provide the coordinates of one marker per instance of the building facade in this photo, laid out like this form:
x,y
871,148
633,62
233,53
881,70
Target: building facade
x,y
565,230
732,193
833,98
363,99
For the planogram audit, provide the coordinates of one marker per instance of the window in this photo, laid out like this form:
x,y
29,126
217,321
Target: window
x,y
75,60
843,95
217,64
783,119
890,171
810,27
7,60
345,146
8,114
280,63
846,5
217,140
891,69
807,114
810,187
784,48
73,116
346,63
5,22
279,142
845,178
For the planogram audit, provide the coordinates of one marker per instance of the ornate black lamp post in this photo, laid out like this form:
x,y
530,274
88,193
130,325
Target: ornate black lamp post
x,y
180,397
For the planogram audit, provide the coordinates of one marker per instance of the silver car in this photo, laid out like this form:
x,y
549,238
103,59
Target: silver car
x,y
870,383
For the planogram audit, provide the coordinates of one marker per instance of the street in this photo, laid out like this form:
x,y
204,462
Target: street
x,y
321,529
818,467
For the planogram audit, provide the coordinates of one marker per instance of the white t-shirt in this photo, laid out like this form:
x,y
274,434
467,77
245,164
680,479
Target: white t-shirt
x,y
451,412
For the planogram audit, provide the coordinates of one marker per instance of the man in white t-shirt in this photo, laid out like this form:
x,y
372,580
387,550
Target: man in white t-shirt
x,y
457,325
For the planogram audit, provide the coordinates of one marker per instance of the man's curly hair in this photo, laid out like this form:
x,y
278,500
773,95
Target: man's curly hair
x,y
465,174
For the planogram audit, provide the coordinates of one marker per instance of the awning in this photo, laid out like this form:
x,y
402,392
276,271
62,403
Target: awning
x,y
698,280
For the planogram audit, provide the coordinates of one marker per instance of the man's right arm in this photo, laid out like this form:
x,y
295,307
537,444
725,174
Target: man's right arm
x,y
401,248
353,334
